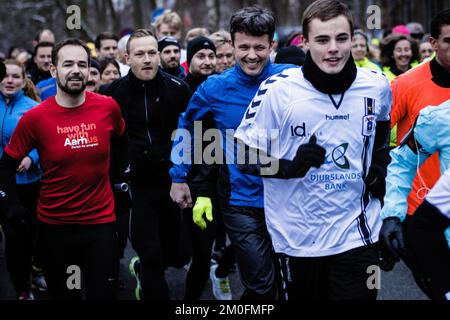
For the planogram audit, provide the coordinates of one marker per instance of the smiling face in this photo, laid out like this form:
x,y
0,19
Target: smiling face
x,y
203,63
72,69
359,47
143,57
109,74
252,52
402,54
329,43
13,81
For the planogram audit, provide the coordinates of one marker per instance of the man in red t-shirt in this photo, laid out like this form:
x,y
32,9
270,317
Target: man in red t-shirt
x,y
72,133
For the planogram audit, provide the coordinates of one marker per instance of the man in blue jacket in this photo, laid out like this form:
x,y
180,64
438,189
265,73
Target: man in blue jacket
x,y
224,98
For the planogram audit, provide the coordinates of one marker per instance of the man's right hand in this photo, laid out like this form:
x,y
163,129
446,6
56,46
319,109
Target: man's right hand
x,y
308,155
392,238
181,195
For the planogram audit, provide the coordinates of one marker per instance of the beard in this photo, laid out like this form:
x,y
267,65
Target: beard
x,y
72,91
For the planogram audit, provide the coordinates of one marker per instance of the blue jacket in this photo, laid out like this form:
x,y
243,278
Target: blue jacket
x,y
432,133
224,98
9,116
46,88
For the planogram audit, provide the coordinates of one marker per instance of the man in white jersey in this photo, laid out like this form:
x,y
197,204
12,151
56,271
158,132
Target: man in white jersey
x,y
332,127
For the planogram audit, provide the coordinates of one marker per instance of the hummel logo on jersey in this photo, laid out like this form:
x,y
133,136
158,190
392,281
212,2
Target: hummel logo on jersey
x,y
337,117
299,131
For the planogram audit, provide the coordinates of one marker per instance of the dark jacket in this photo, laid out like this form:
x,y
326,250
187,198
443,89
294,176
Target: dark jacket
x,y
151,110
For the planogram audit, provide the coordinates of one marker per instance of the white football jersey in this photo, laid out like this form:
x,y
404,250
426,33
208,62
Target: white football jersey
x,y
328,211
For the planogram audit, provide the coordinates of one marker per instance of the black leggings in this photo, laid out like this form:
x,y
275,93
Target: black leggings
x,y
154,235
19,239
202,241
93,248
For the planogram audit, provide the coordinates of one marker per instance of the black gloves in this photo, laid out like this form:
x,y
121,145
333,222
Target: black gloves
x,y
308,155
392,243
375,181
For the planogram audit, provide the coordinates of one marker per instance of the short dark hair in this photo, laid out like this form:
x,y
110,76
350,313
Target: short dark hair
x,y
325,10
104,63
440,20
44,44
69,42
104,36
254,20
140,33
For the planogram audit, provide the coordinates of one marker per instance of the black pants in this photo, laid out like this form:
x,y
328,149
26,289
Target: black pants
x,y
342,276
201,241
154,234
248,234
226,262
93,248
20,238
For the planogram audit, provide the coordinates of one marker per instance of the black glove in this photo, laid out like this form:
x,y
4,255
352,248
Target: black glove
x,y
308,155
392,239
375,181
386,260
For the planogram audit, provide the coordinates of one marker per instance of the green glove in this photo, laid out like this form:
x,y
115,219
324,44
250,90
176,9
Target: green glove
x,y
202,205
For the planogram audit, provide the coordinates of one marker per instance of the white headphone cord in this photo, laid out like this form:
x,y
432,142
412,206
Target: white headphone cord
x,y
424,189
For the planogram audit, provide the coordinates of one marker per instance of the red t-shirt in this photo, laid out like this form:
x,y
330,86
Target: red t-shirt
x,y
74,153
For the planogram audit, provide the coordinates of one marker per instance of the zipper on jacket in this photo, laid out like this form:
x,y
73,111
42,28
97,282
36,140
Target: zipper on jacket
x,y
146,115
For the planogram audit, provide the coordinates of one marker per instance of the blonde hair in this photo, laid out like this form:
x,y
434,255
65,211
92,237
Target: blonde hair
x,y
139,33
194,33
30,90
221,37
172,19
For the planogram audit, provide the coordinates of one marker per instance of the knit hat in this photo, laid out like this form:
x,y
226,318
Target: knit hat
x,y
2,70
167,41
401,29
95,64
198,44
290,55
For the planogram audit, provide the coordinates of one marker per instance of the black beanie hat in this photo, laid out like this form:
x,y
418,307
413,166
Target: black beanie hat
x,y
95,64
2,70
291,55
167,41
198,44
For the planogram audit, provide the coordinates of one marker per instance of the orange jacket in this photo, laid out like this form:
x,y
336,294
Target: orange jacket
x,y
411,92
